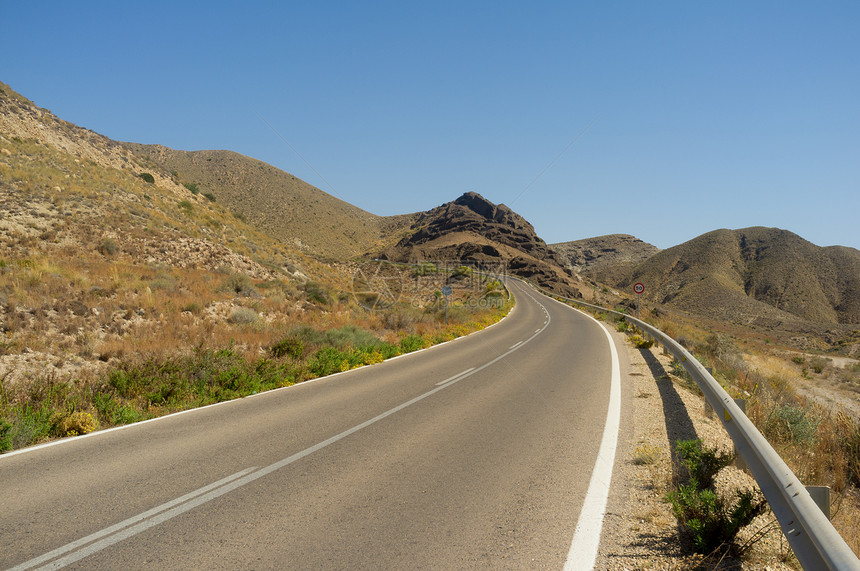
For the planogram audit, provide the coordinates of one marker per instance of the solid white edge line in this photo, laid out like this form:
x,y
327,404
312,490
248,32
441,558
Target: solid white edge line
x,y
586,537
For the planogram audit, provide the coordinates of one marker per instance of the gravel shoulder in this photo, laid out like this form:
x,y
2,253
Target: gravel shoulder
x,y
640,531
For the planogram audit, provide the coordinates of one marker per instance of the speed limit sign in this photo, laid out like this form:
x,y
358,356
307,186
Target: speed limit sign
x,y
638,287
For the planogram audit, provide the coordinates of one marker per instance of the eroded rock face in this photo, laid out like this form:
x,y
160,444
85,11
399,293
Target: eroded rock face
x,y
472,228
474,213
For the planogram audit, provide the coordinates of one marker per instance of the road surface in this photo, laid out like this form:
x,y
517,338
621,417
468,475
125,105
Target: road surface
x,y
474,454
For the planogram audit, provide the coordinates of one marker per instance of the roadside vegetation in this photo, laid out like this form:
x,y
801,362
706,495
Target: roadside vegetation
x,y
819,440
124,297
159,340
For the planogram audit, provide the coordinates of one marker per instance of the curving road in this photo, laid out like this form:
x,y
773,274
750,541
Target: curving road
x,y
474,454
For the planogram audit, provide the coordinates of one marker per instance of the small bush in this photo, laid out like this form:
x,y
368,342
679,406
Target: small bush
x,y
209,196
5,435
411,343
646,454
75,423
818,364
316,293
192,187
701,464
791,423
288,347
329,360
192,307
641,342
243,316
147,177
710,520
239,284
108,247
186,206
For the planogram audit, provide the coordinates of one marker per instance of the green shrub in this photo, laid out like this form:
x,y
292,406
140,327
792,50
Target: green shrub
x,y
710,520
791,423
186,206
327,361
147,177
288,347
209,196
411,343
5,435
702,464
192,187
316,293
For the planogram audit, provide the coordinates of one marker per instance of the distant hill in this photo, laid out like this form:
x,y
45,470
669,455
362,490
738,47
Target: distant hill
x,y
471,228
284,206
755,275
605,259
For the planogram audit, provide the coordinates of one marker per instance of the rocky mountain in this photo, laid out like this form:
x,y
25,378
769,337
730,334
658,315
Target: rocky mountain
x,y
755,275
605,259
279,203
471,228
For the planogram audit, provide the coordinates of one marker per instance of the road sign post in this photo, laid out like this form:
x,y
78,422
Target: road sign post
x,y
638,287
446,291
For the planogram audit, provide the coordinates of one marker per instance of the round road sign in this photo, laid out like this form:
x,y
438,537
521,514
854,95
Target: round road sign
x,y
638,287
446,290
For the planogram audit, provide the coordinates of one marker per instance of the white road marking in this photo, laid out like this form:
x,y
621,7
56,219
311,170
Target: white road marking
x,y
455,377
124,524
586,537
100,540
515,345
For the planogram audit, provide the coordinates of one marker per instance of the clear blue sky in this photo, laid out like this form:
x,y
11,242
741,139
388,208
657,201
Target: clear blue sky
x,y
684,117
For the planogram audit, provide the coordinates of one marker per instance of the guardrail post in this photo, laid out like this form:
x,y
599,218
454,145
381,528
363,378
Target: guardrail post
x,y
821,496
709,410
740,463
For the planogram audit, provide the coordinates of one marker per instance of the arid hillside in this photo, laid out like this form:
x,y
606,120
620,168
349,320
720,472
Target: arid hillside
x,y
285,207
129,289
755,276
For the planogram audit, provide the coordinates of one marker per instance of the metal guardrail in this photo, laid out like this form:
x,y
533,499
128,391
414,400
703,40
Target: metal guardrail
x,y
815,541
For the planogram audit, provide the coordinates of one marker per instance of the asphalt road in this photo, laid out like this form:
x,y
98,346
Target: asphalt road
x,y
473,454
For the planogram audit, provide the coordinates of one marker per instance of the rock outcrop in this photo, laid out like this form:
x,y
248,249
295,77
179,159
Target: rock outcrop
x,y
473,229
